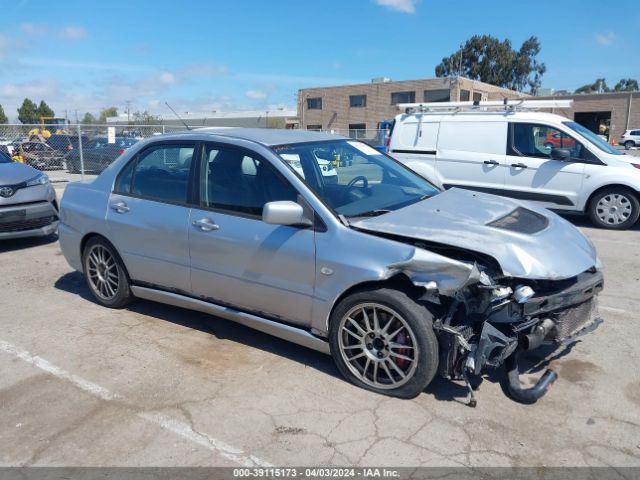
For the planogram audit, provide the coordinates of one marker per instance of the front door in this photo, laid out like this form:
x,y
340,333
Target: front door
x,y
532,172
236,258
148,216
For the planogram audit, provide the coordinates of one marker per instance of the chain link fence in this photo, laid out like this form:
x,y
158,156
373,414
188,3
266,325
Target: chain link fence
x,y
68,151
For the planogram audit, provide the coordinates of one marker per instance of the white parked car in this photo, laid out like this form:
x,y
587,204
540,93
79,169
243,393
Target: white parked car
x,y
630,139
518,153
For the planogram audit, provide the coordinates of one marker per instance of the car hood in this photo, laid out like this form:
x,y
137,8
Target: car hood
x,y
15,172
527,241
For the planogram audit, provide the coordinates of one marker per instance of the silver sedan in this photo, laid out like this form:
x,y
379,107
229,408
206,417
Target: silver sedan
x,y
397,280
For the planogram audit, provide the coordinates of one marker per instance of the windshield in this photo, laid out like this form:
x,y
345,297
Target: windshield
x,y
353,178
593,138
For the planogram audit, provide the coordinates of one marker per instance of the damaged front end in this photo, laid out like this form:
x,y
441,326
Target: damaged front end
x,y
488,320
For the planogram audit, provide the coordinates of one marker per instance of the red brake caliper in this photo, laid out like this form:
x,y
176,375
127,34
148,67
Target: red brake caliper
x,y
401,338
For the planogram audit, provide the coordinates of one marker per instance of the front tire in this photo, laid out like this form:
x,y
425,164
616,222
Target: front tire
x,y
383,341
105,274
614,208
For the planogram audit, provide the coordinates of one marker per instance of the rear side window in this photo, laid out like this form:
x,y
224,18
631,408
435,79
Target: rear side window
x,y
159,173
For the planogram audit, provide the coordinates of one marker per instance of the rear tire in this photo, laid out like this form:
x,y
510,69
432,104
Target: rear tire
x,y
105,274
614,208
629,144
383,341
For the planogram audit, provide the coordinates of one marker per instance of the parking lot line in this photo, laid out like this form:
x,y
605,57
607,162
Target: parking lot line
x,y
166,423
612,309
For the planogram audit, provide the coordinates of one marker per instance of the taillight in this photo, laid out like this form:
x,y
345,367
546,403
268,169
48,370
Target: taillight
x,y
69,147
121,151
636,165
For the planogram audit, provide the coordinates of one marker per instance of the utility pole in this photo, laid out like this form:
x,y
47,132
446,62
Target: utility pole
x,y
128,102
460,62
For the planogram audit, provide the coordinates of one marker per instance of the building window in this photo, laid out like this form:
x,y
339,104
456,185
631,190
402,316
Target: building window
x,y
357,130
314,103
403,97
477,96
443,95
314,127
465,95
357,101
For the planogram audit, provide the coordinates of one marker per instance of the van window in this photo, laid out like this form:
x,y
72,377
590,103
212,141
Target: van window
x,y
536,140
481,137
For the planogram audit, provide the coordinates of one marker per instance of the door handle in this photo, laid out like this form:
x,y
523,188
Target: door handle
x,y
120,207
518,165
491,162
205,224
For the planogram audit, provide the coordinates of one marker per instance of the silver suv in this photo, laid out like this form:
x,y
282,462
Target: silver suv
x,y
630,139
28,206
394,278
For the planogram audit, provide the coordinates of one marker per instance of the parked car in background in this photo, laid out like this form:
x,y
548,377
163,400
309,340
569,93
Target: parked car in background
x,y
98,154
65,143
630,139
39,155
28,205
394,278
540,157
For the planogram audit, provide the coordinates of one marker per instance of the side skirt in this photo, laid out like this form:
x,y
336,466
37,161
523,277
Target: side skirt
x,y
280,330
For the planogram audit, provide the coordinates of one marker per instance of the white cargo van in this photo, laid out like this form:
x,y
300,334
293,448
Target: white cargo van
x,y
507,149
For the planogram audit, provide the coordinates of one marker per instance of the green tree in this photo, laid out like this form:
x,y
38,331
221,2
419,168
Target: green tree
x,y
45,110
3,116
107,112
600,85
626,85
144,118
88,119
28,112
493,61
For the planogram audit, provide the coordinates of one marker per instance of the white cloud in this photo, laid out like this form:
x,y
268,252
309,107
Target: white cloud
x,y
167,78
404,6
34,28
606,38
73,32
256,94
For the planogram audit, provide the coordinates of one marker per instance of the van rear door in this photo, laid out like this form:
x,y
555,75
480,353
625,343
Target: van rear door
x,y
413,142
472,155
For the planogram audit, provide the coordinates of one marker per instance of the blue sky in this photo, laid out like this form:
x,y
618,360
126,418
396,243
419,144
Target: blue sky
x,y
256,54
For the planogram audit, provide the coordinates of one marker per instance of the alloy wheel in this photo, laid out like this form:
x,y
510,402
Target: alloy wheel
x,y
102,271
378,346
614,209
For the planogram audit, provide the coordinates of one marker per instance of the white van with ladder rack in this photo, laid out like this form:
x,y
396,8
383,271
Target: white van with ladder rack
x,y
508,148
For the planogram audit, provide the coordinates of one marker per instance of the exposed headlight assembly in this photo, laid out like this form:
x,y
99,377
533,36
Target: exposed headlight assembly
x,y
41,179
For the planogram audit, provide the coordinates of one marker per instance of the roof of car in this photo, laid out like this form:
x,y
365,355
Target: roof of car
x,y
269,136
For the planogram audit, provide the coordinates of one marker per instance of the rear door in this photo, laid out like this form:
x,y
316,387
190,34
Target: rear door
x,y
471,155
148,215
533,175
414,141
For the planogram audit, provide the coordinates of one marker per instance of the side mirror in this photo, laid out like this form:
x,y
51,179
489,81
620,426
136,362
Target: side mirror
x,y
284,213
562,154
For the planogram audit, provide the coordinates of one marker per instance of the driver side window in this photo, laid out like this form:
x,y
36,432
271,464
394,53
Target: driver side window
x,y
535,140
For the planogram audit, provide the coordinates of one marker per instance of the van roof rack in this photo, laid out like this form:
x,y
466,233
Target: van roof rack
x,y
479,105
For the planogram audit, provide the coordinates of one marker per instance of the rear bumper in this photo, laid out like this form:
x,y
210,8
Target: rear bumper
x,y
35,219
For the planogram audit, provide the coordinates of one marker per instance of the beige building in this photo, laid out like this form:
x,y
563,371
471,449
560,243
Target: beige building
x,y
604,113
364,106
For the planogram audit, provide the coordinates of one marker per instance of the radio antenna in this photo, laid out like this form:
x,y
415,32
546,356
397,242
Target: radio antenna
x,y
174,112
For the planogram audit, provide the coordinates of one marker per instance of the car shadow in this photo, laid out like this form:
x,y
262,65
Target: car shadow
x,y
441,389
14,244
